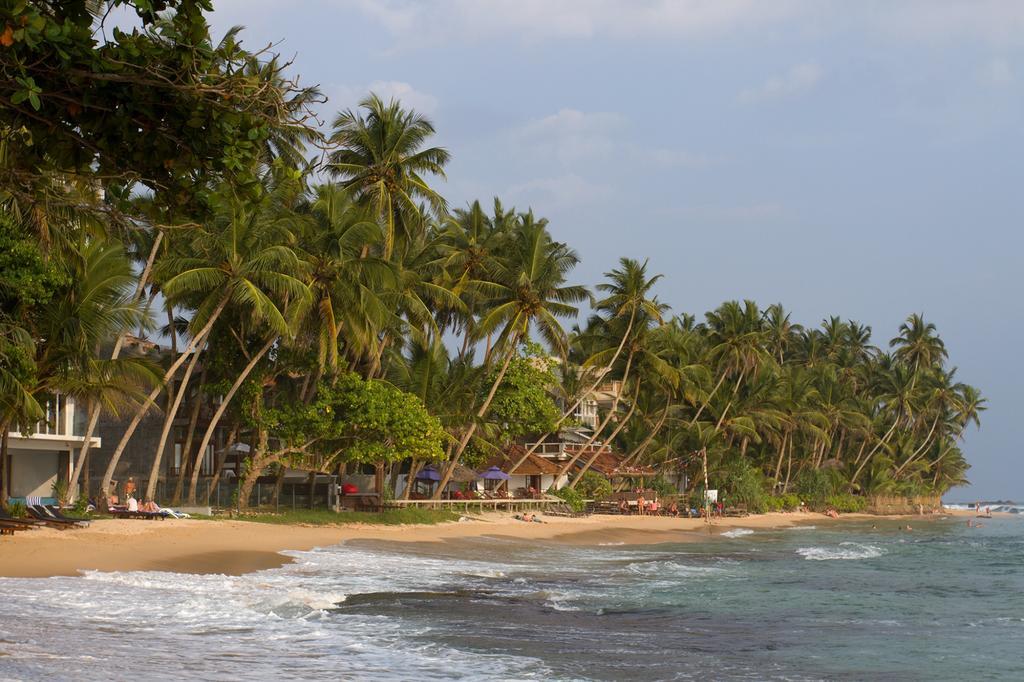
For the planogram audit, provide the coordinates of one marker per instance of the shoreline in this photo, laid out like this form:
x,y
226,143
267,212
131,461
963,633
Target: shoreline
x,y
235,547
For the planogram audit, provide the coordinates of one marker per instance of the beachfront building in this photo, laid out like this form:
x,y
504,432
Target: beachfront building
x,y
39,458
535,473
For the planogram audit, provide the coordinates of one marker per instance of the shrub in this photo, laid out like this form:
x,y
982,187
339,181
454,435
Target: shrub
x,y
787,502
746,485
571,497
60,491
663,487
17,510
845,502
595,486
814,486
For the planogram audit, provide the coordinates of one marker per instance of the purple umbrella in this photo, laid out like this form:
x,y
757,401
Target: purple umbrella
x,y
494,474
428,473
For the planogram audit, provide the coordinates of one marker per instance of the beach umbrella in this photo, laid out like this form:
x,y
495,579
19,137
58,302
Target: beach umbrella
x,y
494,474
428,473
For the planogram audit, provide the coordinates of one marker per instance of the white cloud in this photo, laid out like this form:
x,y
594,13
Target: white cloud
x,y
798,79
997,72
572,136
416,23
547,19
340,97
557,191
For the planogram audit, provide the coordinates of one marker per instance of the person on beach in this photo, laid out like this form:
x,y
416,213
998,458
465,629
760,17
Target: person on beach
x,y
623,507
640,505
129,488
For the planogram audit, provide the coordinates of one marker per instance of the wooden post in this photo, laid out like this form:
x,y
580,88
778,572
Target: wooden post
x,y
707,502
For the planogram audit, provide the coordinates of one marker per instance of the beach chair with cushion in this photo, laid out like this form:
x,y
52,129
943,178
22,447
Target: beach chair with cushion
x,y
57,513
34,511
47,514
26,523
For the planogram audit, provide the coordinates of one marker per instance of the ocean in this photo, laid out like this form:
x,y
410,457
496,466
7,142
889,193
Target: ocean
x,y
842,602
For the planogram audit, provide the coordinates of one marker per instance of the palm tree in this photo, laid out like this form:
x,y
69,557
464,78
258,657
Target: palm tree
x,y
918,344
241,258
628,302
345,287
381,158
528,291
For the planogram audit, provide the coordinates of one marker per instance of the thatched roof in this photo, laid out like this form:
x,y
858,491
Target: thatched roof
x,y
534,465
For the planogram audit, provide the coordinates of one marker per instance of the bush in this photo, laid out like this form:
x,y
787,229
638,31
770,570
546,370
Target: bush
x,y
814,486
663,487
571,497
746,485
17,510
595,486
787,502
847,503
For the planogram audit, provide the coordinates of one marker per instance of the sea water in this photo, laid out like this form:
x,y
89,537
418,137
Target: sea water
x,y
846,602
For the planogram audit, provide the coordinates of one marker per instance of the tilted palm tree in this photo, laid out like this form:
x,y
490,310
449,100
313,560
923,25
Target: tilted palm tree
x,y
527,291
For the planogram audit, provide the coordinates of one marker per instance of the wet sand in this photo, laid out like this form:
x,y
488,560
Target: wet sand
x,y
235,547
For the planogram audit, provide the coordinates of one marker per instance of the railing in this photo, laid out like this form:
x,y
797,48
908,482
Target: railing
x,y
510,504
562,449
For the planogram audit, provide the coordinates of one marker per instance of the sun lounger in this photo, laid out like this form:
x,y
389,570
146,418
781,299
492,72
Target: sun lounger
x,y
9,525
128,514
34,511
25,522
53,513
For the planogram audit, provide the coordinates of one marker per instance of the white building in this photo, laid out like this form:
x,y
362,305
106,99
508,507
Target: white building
x,y
36,461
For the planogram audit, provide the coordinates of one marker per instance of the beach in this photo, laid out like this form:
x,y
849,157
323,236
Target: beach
x,y
235,547
778,596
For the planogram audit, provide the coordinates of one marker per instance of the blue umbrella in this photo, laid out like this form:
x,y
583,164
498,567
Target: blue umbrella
x,y
494,474
428,473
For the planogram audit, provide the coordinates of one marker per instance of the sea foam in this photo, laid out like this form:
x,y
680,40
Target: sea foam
x,y
845,550
737,532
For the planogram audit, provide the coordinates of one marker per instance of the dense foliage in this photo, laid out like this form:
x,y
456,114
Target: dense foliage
x,y
155,182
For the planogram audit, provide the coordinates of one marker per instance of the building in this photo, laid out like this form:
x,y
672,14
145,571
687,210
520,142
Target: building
x,y
38,460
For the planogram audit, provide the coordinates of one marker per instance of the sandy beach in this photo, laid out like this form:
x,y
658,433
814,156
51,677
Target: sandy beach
x,y
234,547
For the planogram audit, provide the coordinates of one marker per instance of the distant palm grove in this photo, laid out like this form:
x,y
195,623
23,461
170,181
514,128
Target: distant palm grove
x,y
317,291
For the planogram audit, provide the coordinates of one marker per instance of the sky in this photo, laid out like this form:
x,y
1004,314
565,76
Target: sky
x,y
853,159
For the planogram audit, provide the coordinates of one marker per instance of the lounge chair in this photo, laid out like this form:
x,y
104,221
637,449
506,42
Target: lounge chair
x,y
47,512
55,510
10,524
128,514
25,522
34,511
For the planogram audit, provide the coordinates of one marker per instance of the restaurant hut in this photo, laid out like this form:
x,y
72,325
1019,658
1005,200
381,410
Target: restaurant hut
x,y
535,472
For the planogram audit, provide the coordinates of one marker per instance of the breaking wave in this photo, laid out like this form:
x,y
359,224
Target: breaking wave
x,y
845,550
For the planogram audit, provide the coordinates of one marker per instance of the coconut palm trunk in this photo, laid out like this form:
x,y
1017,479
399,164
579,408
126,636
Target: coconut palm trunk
x,y
605,444
579,401
481,413
921,450
115,457
94,407
172,411
883,441
219,467
221,409
186,449
604,424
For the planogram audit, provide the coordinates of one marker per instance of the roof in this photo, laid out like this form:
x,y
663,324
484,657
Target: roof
x,y
610,464
534,465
